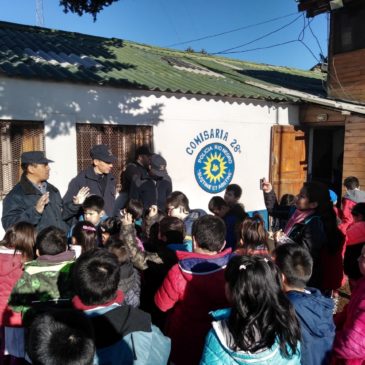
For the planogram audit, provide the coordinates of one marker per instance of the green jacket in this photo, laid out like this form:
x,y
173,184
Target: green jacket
x,y
48,278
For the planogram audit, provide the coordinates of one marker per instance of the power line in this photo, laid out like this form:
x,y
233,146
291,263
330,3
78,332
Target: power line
x,y
317,40
228,50
231,31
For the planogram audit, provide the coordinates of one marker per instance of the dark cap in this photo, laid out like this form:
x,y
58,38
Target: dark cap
x,y
143,150
34,157
102,152
158,165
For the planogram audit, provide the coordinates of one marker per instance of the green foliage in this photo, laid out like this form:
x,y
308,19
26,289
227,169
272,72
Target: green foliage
x,y
81,7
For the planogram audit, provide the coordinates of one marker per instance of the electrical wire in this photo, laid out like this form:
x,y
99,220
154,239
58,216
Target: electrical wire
x,y
232,30
229,50
317,40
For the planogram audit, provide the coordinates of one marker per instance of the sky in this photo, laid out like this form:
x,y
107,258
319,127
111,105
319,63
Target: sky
x,y
253,30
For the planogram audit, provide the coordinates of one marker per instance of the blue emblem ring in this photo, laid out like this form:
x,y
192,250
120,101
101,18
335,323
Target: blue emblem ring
x,y
214,167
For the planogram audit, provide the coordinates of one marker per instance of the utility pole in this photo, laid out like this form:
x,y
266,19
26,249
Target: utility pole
x,y
39,13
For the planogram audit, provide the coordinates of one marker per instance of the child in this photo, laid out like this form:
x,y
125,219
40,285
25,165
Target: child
x,y
47,277
130,280
84,237
172,233
135,209
355,240
232,195
123,335
94,213
220,208
177,205
261,327
349,345
109,228
61,338
192,288
16,249
314,311
254,237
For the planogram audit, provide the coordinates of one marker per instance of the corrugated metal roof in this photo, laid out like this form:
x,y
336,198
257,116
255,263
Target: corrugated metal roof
x,y
46,54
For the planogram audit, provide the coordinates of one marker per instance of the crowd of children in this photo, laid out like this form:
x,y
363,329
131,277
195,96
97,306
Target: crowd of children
x,y
181,287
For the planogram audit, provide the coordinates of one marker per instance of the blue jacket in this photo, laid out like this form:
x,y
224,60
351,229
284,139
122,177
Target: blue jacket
x,y
90,179
19,206
315,314
217,352
125,335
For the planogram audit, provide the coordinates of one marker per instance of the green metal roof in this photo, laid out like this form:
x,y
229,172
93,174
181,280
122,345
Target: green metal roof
x,y
46,54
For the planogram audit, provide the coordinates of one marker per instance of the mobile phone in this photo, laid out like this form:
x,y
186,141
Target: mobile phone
x,y
262,183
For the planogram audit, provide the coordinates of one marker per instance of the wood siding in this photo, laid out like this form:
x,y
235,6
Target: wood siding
x,y
346,76
354,148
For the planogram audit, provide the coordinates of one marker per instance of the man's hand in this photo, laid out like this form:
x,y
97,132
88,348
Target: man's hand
x,y
42,202
82,194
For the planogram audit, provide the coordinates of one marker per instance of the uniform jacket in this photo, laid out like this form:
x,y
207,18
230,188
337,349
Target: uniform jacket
x,y
11,269
19,206
125,335
349,345
217,350
90,179
315,314
47,278
349,200
133,171
192,288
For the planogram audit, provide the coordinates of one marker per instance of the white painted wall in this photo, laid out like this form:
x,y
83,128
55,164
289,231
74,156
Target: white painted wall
x,y
176,119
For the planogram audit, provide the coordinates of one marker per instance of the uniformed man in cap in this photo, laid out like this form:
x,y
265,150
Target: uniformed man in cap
x,y
34,200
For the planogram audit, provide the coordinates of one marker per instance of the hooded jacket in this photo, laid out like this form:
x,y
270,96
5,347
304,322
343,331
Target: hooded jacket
x,y
315,314
191,289
349,200
125,335
217,350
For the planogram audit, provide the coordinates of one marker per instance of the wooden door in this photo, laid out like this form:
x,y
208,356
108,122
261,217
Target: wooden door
x,y
288,170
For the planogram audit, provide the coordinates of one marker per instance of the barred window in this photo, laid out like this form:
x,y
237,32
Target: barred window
x,y
121,139
15,138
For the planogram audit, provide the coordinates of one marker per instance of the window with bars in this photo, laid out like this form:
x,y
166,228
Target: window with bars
x,y
15,138
121,139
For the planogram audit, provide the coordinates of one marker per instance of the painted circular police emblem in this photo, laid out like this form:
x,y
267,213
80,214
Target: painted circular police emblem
x,y
214,167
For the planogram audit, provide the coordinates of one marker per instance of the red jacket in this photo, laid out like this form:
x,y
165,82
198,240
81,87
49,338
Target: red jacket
x,y
11,269
192,288
349,345
350,199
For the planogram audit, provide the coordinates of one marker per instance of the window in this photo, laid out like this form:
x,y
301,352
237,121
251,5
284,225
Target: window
x,y
121,139
16,138
348,29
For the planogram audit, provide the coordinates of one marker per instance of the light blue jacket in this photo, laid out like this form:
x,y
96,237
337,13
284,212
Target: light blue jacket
x,y
216,351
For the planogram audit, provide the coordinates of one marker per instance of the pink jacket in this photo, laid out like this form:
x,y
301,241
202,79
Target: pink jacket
x,y
11,269
191,289
349,345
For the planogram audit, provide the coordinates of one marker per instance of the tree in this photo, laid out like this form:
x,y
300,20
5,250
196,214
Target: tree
x,y
81,7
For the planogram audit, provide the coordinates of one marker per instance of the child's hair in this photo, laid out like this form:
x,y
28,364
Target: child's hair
x,y
176,199
217,202
85,235
93,202
110,225
62,337
236,190
117,247
135,208
261,314
359,209
287,200
295,262
253,233
96,276
21,237
351,182
209,232
172,229
51,241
